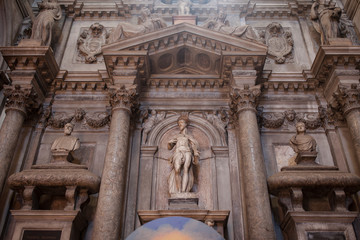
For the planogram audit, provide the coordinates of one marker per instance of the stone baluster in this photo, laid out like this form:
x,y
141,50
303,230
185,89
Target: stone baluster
x,y
18,99
109,212
348,100
257,204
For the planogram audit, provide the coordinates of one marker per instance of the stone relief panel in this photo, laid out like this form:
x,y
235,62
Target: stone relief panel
x,y
280,42
90,42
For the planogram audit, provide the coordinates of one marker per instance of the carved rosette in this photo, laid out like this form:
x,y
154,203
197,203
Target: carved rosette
x,y
20,99
347,98
244,99
123,98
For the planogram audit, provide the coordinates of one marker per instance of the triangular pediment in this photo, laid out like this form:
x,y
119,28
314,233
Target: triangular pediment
x,y
188,49
185,34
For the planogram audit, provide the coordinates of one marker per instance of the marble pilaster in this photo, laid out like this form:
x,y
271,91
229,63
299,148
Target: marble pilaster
x,y
110,208
258,212
17,98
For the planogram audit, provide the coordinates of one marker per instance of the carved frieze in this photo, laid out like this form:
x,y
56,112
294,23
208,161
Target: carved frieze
x,y
280,42
150,121
93,120
91,41
288,119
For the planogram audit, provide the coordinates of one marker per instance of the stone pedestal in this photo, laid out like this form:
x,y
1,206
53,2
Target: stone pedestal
x,y
306,158
185,19
190,202
315,201
218,219
43,224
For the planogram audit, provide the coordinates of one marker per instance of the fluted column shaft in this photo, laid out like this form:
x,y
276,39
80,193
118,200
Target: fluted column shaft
x,y
258,211
17,99
109,212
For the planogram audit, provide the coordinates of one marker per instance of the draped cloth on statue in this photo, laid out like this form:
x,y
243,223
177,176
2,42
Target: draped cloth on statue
x,y
43,23
65,143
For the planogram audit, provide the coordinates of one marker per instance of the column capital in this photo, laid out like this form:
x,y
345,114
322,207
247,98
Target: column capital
x,y
347,98
244,99
123,97
22,99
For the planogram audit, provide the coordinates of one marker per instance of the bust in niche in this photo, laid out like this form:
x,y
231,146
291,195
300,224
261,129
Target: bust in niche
x,y
64,146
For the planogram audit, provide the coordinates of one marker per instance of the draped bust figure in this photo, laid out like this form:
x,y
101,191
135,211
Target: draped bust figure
x,y
302,142
50,12
185,154
66,143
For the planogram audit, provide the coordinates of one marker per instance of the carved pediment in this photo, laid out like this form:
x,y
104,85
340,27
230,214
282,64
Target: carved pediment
x,y
186,49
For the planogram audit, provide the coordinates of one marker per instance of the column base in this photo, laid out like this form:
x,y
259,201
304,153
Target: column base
x,y
320,225
39,224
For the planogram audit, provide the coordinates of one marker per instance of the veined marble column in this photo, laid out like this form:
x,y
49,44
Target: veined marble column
x,y
258,211
17,100
109,212
348,98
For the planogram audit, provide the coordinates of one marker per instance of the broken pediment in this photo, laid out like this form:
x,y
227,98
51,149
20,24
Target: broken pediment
x,y
184,49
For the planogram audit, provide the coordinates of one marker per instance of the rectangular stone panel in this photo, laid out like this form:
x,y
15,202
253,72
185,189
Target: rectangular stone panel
x,y
41,235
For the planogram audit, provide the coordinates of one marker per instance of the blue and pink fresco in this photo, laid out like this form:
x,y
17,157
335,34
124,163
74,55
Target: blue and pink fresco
x,y
175,228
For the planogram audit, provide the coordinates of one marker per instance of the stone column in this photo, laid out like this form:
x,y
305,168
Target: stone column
x,y
17,100
257,203
348,100
110,207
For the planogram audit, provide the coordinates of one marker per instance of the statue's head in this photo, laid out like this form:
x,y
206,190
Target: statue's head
x,y
68,128
183,121
290,115
145,12
222,16
300,127
96,29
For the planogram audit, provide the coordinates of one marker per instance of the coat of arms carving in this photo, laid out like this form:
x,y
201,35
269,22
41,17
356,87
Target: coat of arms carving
x,y
91,41
280,43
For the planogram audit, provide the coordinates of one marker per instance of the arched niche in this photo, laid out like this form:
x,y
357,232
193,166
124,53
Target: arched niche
x,y
205,185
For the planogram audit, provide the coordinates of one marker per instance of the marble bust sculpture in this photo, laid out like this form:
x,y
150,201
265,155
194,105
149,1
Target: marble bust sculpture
x,y
185,154
65,145
302,142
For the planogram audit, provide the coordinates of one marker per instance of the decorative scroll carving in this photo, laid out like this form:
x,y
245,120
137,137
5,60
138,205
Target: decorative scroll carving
x,y
91,41
326,19
244,99
146,23
184,7
123,97
21,99
220,24
279,42
97,120
50,12
347,98
150,122
185,154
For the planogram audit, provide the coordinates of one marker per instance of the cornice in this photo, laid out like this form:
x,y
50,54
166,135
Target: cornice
x,y
330,57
